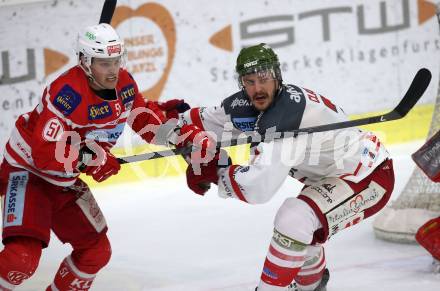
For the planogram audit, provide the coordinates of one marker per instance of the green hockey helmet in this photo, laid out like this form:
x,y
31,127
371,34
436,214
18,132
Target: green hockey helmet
x,y
258,58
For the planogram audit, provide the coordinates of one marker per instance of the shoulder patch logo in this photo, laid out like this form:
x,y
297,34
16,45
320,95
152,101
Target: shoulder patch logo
x,y
99,111
53,130
67,100
295,93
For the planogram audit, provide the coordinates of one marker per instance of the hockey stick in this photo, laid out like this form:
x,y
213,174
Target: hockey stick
x,y
416,89
107,11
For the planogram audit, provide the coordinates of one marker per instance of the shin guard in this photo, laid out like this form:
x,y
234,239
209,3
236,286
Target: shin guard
x,y
18,261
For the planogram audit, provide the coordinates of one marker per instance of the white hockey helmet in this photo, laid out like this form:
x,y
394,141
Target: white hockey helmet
x,y
99,41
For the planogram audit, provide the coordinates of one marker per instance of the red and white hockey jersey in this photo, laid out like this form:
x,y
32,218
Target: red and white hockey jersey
x,y
351,154
69,104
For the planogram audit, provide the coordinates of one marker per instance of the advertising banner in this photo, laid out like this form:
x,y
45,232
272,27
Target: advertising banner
x,y
360,54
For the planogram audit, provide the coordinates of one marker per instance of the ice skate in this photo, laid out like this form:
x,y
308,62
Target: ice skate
x,y
436,266
322,285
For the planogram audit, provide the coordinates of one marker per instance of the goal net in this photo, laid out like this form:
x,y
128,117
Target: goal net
x,y
418,202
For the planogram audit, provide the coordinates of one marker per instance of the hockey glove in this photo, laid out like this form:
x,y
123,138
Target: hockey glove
x,y
173,107
157,122
203,144
428,236
199,181
98,163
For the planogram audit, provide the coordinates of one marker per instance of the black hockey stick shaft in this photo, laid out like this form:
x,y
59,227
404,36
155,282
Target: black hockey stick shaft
x,y
418,86
107,11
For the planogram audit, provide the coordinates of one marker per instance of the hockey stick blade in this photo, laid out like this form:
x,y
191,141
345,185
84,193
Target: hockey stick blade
x,y
107,11
418,86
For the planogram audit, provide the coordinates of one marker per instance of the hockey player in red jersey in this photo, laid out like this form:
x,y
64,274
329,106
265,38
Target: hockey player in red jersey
x,y
347,173
427,159
77,121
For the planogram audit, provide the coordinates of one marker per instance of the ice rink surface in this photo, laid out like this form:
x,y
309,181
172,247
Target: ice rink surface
x,y
165,238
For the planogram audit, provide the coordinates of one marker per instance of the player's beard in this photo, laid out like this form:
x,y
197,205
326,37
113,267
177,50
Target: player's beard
x,y
261,100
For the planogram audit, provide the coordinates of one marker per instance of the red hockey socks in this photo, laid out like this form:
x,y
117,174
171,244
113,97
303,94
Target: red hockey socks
x,y
77,271
69,277
310,274
283,262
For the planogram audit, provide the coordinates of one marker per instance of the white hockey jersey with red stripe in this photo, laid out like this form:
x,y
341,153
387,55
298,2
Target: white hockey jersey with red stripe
x,y
69,104
351,153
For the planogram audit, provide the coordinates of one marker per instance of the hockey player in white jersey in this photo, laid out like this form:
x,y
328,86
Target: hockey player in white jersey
x,y
347,173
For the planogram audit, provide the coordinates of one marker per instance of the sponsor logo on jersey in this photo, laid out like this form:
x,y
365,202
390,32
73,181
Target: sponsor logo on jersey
x,y
99,111
365,152
67,100
286,242
127,94
351,211
324,194
357,202
240,103
226,186
106,135
114,49
202,112
329,187
23,149
14,200
245,123
295,93
269,273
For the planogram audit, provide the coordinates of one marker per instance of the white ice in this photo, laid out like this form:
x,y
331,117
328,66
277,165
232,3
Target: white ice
x,y
166,238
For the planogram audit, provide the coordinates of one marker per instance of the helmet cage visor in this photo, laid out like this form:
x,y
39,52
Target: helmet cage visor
x,y
264,72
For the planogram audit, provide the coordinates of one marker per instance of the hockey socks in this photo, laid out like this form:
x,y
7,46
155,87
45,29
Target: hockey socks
x,y
69,277
311,273
283,262
77,271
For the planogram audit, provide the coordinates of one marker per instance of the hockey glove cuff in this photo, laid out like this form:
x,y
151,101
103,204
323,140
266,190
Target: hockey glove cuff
x,y
173,107
200,176
99,164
